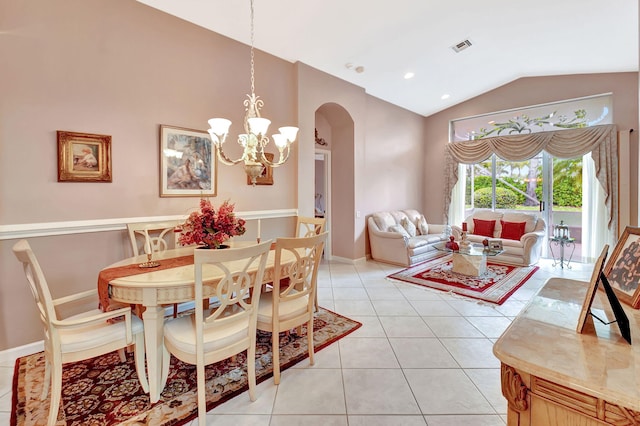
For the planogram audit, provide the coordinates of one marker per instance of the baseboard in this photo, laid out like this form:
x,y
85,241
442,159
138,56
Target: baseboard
x,y
9,356
358,261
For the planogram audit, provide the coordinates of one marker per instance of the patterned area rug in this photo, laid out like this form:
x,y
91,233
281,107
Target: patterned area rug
x,y
499,282
104,391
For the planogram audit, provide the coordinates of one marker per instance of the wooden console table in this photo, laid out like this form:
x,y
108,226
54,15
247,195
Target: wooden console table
x,y
551,375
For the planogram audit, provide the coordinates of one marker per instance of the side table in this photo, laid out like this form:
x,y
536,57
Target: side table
x,y
562,243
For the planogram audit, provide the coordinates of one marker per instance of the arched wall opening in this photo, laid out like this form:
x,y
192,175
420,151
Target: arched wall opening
x,y
335,128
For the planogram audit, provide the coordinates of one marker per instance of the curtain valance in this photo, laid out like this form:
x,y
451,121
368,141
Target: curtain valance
x,y
601,141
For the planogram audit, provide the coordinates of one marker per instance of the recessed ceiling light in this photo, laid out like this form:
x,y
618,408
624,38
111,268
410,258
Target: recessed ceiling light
x,y
409,75
445,96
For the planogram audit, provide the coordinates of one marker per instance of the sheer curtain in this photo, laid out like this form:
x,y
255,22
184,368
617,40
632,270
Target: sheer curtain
x,y
456,208
594,213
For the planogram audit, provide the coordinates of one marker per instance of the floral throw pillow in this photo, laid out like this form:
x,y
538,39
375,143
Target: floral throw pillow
x,y
399,229
422,225
409,227
484,227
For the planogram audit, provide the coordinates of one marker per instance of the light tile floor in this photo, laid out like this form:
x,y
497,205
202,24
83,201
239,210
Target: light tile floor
x,y
421,357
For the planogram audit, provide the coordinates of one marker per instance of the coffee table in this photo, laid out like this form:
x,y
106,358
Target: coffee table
x,y
470,260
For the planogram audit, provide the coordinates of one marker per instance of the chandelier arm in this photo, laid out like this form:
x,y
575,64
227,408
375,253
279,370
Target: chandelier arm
x,y
284,155
226,160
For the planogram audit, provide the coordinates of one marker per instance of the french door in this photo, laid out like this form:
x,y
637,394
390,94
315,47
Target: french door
x,y
545,186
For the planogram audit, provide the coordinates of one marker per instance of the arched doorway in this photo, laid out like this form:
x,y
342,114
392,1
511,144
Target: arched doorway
x,y
334,176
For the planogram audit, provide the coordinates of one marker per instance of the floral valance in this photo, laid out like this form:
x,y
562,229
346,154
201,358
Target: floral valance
x,y
601,141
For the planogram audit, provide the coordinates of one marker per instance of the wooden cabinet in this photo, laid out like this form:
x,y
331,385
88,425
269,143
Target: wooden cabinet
x,y
551,375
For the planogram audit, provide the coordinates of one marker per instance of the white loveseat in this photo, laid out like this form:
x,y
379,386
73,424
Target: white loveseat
x,y
403,237
523,251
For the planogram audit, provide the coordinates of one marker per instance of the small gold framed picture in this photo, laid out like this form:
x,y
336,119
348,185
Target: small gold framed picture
x,y
266,178
83,157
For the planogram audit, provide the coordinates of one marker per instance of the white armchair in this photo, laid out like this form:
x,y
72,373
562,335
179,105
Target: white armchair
x,y
80,336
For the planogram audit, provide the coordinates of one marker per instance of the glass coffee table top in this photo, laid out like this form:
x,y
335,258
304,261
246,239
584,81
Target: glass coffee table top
x,y
473,249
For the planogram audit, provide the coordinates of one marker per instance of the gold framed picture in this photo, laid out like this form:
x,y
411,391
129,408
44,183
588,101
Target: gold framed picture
x,y
187,163
83,157
266,178
623,268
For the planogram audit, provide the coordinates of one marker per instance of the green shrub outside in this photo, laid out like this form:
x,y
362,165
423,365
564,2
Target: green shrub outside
x,y
566,192
505,198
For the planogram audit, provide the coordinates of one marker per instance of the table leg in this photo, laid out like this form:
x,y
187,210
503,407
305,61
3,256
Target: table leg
x,y
153,318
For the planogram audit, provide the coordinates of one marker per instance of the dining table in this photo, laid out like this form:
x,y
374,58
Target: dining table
x,y
172,281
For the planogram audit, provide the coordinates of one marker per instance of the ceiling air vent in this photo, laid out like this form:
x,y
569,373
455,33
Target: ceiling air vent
x,y
461,46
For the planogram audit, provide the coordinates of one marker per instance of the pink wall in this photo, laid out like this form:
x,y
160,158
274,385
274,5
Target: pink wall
x,y
533,91
121,68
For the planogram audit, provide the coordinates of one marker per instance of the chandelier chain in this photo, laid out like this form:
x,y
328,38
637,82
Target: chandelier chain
x,y
252,61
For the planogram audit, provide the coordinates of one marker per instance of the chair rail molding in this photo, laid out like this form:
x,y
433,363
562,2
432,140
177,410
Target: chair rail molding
x,y
45,229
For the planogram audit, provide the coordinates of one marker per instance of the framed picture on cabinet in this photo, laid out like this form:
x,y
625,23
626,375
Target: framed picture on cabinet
x,y
591,289
187,163
83,157
623,268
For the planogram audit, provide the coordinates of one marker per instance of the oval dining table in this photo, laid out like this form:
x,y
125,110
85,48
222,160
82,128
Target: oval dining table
x,y
154,289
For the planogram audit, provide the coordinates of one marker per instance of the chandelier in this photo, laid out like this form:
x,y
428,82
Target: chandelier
x,y
254,139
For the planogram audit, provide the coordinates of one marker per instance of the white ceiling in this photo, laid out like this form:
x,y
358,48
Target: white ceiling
x,y
511,39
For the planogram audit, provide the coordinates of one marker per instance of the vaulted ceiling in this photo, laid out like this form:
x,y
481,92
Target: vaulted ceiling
x,y
374,44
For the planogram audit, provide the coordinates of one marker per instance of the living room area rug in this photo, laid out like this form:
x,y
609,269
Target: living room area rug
x,y
495,286
106,391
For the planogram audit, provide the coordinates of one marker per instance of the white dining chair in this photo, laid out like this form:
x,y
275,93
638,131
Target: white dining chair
x,y
227,328
154,237
78,337
308,227
290,304
160,236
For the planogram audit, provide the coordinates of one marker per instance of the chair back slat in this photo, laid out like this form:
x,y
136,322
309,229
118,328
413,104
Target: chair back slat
x,y
160,235
298,279
242,272
37,284
309,226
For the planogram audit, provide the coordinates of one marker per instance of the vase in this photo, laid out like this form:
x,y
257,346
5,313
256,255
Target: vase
x,y
221,246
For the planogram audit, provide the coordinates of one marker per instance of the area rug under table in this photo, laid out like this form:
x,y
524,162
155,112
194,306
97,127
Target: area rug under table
x,y
105,391
495,286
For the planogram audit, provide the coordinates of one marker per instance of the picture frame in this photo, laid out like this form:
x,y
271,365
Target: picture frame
x,y
591,290
266,178
188,166
83,157
623,268
495,245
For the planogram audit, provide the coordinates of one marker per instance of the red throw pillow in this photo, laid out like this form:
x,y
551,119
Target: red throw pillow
x,y
512,230
484,227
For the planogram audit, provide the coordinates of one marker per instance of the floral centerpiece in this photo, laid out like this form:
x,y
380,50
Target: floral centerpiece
x,y
210,227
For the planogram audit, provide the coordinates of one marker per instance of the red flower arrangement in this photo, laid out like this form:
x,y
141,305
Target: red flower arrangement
x,y
209,227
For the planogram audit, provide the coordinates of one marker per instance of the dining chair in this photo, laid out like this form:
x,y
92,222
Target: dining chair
x,y
154,237
307,227
290,304
77,337
226,328
159,235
